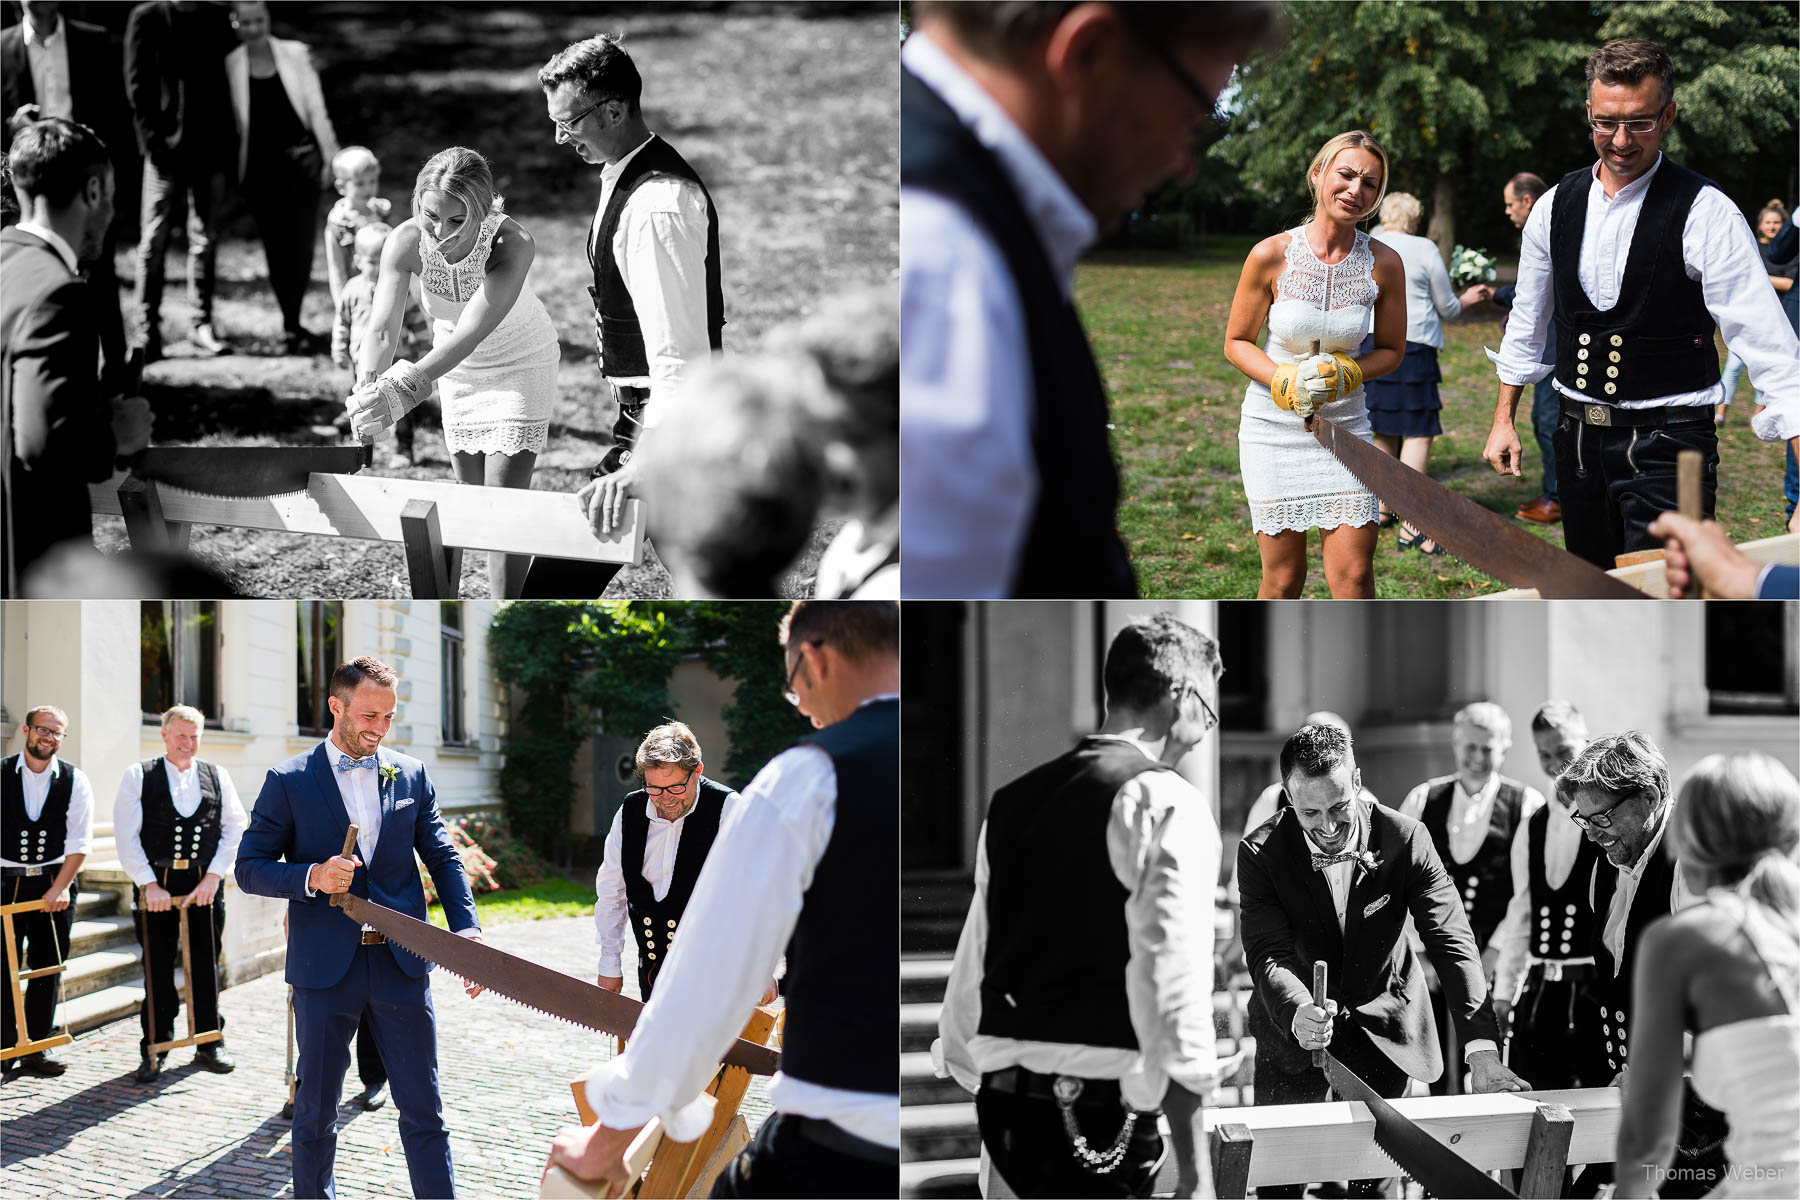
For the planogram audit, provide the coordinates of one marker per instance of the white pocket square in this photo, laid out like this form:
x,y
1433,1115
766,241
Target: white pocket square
x,y
400,804
1369,909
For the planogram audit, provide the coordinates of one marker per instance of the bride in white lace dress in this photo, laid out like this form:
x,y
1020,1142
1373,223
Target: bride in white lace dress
x,y
1325,281
1726,970
494,349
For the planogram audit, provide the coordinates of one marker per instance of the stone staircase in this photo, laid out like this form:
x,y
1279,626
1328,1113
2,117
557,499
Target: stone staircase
x,y
105,979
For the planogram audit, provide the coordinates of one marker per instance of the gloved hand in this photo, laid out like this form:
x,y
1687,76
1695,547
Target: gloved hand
x,y
1329,377
379,404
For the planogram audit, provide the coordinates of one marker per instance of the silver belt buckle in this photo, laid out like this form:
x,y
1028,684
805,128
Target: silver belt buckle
x,y
1553,971
180,864
33,872
1599,414
1067,1089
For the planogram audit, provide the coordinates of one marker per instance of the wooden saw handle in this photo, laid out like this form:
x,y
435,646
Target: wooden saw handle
x,y
350,842
1688,466
1309,420
1319,989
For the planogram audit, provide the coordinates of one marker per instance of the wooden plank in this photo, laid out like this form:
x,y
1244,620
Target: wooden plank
x,y
1547,1152
1650,579
140,504
728,1089
512,520
728,1147
670,1166
1230,1145
558,1184
427,566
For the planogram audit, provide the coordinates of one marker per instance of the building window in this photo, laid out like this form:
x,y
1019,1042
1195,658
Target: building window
x,y
319,626
179,651
1750,658
451,646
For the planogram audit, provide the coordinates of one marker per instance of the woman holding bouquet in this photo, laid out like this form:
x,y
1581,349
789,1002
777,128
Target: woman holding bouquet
x,y
494,351
1403,407
1320,287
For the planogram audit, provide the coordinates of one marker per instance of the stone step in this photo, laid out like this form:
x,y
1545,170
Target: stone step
x,y
91,905
99,933
939,1131
102,969
919,1086
923,979
918,1025
945,1178
99,1008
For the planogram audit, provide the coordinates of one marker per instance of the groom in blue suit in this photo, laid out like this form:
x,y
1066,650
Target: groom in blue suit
x,y
292,850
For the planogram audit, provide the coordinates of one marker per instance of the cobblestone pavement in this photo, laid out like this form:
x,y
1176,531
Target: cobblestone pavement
x,y
504,1074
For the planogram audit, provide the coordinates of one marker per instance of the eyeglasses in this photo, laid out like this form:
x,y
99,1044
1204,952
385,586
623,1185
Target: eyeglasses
x,y
1208,102
568,126
1607,127
793,697
46,731
1212,718
1601,820
658,792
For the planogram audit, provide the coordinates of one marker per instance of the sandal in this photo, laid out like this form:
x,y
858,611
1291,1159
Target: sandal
x,y
1386,520
1418,541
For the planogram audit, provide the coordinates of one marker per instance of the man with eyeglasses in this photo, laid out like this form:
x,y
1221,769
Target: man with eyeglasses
x,y
654,247
46,824
1636,259
1105,857
658,842
810,864
1027,130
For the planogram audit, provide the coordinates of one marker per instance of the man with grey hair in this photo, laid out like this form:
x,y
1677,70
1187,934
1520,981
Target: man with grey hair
x,y
177,821
1106,847
1027,130
658,842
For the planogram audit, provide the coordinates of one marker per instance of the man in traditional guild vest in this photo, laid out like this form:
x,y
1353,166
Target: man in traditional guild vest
x,y
46,823
176,825
808,863
1635,259
654,248
1543,977
659,840
1471,817
1108,856
1619,786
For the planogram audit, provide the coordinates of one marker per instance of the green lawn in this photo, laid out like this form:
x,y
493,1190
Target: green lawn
x,y
1157,322
555,897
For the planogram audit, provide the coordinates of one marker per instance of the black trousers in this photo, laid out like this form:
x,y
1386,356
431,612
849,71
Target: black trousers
x,y
783,1161
1351,1047
1025,1137
1612,481
160,934
567,579
286,212
1555,1026
40,939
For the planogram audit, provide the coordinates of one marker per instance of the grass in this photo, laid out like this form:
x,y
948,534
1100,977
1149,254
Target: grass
x,y
546,901
1157,322
790,114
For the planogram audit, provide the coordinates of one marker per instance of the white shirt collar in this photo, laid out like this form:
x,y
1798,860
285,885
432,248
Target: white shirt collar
x,y
36,36
48,772
63,250
1134,743
611,171
1063,224
1487,789
332,750
1631,191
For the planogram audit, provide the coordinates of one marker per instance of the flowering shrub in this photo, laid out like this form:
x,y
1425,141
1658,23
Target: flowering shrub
x,y
1468,265
492,857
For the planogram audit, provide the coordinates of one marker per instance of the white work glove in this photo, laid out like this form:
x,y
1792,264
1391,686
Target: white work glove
x,y
379,404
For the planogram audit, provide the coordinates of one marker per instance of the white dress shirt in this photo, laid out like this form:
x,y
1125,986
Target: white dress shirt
x,y
1618,913
1562,845
1467,820
738,921
660,248
79,829
1164,849
1717,249
965,369
1428,291
62,248
184,791
661,843
47,54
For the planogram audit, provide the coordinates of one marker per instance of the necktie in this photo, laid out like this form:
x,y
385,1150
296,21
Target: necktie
x,y
346,763
1321,861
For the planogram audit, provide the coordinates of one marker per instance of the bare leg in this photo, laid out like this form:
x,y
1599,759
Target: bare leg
x,y
506,572
1350,561
1283,564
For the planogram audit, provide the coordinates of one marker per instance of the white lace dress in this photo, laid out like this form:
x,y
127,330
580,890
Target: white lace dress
x,y
497,400
1291,481
1750,1071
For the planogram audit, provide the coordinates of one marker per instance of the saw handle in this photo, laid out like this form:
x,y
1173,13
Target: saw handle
x,y
1688,466
1319,989
349,849
1309,425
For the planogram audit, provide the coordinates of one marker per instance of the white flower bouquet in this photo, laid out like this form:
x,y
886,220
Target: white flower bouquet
x,y
1468,265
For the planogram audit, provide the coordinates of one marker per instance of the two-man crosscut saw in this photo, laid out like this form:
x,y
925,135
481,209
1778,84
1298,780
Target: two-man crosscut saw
x,y
531,984
1440,1170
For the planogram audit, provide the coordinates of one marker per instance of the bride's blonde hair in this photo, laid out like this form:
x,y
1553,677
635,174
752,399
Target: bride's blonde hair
x,y
464,174
1356,139
1738,820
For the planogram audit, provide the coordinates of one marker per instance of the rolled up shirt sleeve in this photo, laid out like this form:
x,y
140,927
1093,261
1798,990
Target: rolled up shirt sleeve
x,y
1734,280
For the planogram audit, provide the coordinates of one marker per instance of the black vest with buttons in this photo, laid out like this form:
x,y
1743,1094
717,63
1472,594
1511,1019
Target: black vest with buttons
x,y
29,842
622,353
1658,339
653,922
1485,881
1613,988
168,837
1562,920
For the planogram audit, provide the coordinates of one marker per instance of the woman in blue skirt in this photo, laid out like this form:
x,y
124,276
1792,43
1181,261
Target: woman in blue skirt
x,y
1403,406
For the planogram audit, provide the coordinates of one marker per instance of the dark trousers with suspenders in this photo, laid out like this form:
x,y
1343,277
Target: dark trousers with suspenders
x,y
41,939
160,935
1614,479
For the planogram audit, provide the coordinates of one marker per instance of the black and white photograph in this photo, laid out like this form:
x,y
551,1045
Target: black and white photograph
x,y
508,300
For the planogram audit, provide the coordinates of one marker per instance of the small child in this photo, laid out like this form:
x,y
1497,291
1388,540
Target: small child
x,y
356,173
357,304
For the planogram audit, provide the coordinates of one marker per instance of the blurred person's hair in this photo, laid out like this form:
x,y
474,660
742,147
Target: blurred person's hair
x,y
9,203
1738,819
1355,139
1314,751
1527,184
668,745
1628,62
352,161
53,159
1620,766
859,630
1402,212
464,174
1153,656
600,65
371,238
1561,716
1484,715
1003,30
350,676
1773,206
184,712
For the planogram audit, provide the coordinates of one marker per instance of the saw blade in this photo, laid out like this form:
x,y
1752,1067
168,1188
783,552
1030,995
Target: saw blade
x,y
1440,1170
237,472
534,985
1484,539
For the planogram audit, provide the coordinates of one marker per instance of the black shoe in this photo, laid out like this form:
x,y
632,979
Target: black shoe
x,y
212,1057
149,1069
374,1097
42,1063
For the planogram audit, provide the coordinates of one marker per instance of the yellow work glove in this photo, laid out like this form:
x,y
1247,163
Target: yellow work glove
x,y
1329,378
1285,386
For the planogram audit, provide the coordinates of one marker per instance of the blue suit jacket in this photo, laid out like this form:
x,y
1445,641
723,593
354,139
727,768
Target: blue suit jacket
x,y
300,818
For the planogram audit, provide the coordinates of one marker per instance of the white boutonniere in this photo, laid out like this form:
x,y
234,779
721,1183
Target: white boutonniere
x,y
389,773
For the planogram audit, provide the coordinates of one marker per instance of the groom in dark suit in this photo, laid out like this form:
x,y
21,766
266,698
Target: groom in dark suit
x,y
340,972
1332,878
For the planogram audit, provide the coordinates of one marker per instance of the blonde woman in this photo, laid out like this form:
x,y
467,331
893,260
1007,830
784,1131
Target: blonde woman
x,y
1727,971
1403,407
494,351
1324,281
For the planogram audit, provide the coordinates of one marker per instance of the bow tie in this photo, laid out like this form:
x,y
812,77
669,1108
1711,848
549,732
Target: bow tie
x,y
346,763
1321,861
